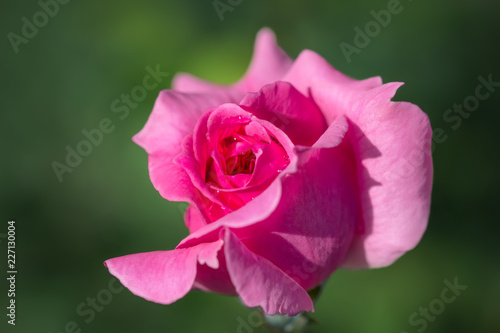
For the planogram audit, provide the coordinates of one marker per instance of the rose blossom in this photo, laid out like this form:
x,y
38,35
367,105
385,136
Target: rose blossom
x,y
293,171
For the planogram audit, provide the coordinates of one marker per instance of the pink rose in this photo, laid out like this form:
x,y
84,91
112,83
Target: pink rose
x,y
291,172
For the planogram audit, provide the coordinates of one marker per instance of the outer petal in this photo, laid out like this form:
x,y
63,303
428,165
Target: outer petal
x,y
311,72
392,141
269,64
163,276
260,283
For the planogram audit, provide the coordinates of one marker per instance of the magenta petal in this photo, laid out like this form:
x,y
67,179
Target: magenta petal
x,y
271,158
259,283
163,276
172,182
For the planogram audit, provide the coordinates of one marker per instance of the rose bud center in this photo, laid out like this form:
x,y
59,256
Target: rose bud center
x,y
244,159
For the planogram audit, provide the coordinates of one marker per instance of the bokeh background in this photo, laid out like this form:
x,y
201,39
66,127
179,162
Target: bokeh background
x,y
64,79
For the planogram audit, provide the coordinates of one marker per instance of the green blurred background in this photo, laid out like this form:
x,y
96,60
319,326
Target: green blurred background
x,y
64,79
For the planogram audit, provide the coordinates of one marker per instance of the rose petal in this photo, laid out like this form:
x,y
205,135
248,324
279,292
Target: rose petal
x,y
272,158
259,283
195,172
172,182
284,106
163,276
310,72
387,138
269,63
392,142
193,219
